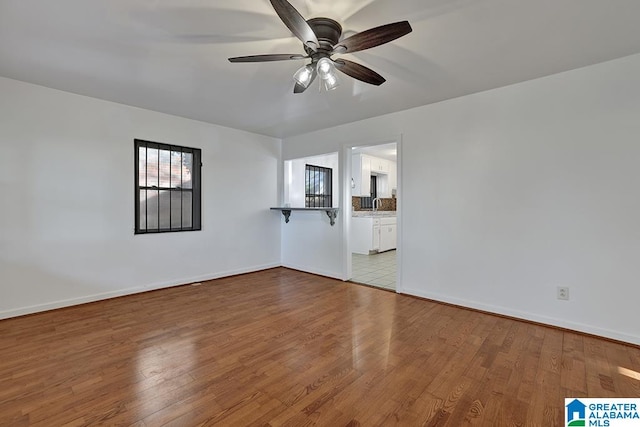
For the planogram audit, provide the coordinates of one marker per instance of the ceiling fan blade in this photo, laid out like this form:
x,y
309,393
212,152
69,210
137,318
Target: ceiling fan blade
x,y
296,23
373,37
298,88
267,58
359,72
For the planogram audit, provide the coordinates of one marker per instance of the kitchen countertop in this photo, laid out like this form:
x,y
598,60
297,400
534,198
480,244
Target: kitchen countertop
x,y
372,214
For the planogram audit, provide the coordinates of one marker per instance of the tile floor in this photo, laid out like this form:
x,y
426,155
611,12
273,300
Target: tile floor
x,y
375,270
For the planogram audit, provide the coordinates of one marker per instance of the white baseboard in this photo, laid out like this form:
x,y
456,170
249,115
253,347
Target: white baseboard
x,y
561,323
306,269
589,329
212,276
128,291
68,302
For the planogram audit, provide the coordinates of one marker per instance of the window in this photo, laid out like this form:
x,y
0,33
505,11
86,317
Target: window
x,y
167,187
318,185
367,202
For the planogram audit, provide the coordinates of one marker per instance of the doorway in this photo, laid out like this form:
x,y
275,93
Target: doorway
x,y
372,257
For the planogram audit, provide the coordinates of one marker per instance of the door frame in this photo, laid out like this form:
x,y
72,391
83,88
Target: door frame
x,y
345,160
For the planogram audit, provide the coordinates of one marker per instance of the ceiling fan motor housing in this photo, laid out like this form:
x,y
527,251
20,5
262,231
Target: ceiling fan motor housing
x,y
328,33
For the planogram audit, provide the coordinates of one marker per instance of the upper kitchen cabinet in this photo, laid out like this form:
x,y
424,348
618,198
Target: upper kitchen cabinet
x,y
361,175
393,177
363,166
379,165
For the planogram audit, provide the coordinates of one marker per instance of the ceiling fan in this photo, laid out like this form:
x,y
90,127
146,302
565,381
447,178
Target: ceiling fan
x,y
321,40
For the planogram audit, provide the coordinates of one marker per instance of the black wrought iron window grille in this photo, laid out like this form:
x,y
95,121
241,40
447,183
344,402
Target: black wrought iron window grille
x,y
167,187
318,187
367,202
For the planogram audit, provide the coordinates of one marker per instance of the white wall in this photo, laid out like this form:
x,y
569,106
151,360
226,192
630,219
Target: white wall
x,y
67,204
511,192
295,174
307,238
308,243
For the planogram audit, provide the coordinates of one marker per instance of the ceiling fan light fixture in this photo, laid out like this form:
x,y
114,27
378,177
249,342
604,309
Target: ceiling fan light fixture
x,y
327,73
331,81
326,68
304,75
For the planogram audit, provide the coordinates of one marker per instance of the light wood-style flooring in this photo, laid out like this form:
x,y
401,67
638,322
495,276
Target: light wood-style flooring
x,y
281,347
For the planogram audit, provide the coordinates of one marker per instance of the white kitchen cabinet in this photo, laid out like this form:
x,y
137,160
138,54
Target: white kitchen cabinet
x,y
386,181
363,166
387,240
376,238
384,190
372,234
379,165
363,239
393,177
361,175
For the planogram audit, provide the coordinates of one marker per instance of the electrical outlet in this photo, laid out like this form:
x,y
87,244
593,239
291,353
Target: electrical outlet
x,y
563,293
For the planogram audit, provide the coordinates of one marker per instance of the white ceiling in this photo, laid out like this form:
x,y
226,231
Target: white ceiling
x,y
385,151
171,55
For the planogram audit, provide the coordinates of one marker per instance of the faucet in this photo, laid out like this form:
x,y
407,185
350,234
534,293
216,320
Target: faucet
x,y
376,203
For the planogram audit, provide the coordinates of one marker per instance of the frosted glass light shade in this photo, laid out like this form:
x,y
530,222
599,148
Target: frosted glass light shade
x,y
325,68
331,81
327,72
303,75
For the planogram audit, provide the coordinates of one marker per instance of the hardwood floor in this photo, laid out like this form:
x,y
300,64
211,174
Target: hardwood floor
x,y
281,347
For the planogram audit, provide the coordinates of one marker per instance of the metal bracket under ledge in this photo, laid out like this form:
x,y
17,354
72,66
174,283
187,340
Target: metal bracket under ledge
x,y
332,213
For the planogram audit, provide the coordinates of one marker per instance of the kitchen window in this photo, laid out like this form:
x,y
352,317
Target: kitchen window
x,y
318,183
167,187
367,202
